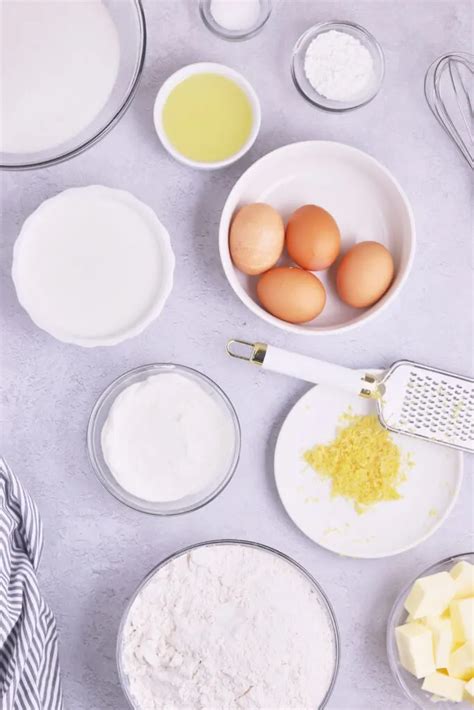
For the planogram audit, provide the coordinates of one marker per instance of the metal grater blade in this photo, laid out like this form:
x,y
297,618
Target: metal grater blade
x,y
428,403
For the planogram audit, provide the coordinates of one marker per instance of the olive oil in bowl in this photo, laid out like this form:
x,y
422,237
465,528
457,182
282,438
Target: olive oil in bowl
x,y
207,118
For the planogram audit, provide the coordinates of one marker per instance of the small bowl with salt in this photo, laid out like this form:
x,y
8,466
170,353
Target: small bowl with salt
x,y
337,66
235,20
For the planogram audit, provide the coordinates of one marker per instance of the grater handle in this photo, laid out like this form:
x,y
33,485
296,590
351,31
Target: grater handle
x,y
306,368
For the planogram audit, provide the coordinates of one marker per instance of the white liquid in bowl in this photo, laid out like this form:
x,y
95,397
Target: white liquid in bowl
x,y
93,266
58,65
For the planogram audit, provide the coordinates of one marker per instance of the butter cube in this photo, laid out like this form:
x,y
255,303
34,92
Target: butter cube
x,y
469,690
461,662
415,649
463,575
442,639
462,619
430,595
444,687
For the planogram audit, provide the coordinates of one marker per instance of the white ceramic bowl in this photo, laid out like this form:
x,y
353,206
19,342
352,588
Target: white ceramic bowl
x,y
202,68
362,195
76,208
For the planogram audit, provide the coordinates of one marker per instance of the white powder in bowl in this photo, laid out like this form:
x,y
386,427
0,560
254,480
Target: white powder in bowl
x,y
166,438
59,63
338,66
228,626
236,15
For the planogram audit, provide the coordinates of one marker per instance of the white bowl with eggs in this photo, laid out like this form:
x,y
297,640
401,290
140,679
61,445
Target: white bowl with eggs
x,y
366,202
178,78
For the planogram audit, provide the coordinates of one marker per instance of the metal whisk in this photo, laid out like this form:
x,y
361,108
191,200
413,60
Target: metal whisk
x,y
449,91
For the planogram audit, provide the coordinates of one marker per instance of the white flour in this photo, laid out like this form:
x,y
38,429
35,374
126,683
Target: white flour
x,y
224,627
59,62
166,438
338,66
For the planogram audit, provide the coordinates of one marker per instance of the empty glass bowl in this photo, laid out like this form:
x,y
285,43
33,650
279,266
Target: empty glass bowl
x,y
99,417
129,20
303,84
410,685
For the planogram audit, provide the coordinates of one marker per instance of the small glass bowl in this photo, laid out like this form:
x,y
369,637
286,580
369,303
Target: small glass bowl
x,y
326,604
101,412
235,35
306,89
129,19
410,685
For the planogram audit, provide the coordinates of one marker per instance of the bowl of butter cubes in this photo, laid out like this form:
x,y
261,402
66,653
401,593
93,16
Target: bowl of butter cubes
x,y
430,637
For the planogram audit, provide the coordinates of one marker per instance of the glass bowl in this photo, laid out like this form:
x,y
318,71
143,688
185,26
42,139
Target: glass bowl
x,y
323,599
410,685
99,416
306,89
129,20
235,35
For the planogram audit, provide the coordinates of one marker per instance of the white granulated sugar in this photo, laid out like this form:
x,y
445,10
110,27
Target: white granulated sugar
x,y
338,66
59,63
228,626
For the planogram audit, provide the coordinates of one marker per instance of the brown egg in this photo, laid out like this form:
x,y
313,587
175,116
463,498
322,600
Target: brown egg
x,y
312,238
364,274
257,238
291,294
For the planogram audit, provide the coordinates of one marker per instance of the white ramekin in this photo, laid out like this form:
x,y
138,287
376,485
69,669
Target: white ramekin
x,y
202,68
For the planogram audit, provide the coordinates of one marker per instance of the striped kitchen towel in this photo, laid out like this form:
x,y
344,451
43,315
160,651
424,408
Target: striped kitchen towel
x,y
29,667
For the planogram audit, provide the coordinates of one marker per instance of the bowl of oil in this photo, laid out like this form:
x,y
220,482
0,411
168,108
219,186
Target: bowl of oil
x,y
207,115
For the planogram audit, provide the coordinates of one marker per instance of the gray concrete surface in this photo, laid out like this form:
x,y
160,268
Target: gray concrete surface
x,y
97,550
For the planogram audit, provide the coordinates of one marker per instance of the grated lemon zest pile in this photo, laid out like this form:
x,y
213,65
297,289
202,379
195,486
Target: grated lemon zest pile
x,y
363,462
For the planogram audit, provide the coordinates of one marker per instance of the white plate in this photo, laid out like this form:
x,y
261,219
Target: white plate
x,y
93,266
365,200
385,529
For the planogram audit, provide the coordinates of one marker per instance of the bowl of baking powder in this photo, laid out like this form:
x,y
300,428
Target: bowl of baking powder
x,y
164,439
228,624
337,66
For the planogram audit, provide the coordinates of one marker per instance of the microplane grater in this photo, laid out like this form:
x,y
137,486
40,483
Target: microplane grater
x,y
411,399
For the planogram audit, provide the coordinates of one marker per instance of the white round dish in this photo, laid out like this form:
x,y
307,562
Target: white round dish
x,y
204,68
428,494
93,266
365,200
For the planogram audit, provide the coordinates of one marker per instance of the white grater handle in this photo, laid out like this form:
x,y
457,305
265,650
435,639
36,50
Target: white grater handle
x,y
306,368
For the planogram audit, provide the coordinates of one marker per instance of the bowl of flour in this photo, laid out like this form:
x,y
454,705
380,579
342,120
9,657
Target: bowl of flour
x,y
228,624
164,439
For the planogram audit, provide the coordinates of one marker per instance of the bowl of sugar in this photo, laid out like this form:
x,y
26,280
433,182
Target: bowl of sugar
x,y
164,439
337,66
96,47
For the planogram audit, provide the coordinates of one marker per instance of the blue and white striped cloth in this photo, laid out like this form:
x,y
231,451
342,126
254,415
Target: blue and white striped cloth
x,y
29,666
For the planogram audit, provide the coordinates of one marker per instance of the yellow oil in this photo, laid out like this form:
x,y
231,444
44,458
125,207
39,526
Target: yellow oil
x,y
207,118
